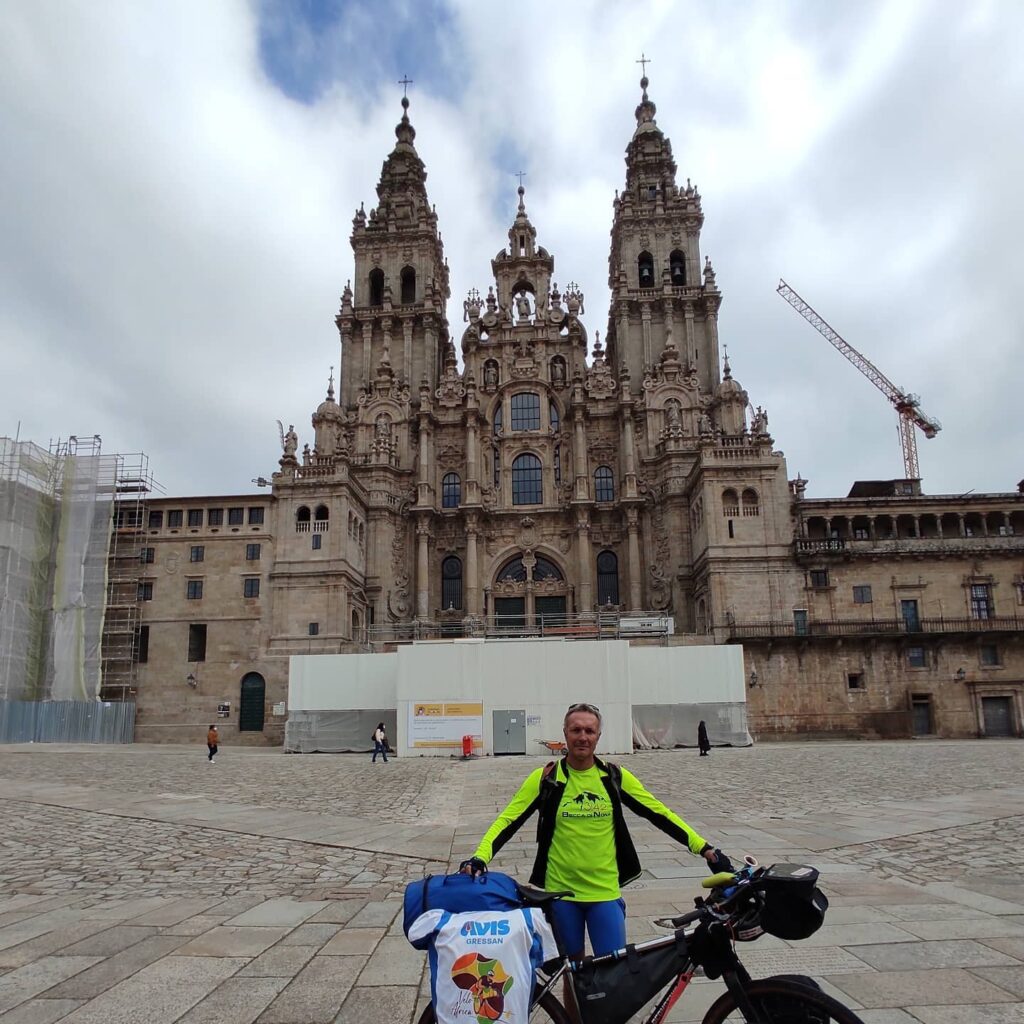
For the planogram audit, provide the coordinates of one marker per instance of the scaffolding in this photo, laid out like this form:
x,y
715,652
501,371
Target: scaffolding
x,y
56,510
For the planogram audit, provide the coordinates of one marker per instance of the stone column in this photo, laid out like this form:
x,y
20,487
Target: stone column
x,y
368,370
871,527
407,355
472,581
422,569
646,327
633,525
960,524
917,527
938,526
628,452
691,349
471,496
529,561
584,559
579,455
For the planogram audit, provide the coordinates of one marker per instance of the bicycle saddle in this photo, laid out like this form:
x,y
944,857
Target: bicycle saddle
x,y
538,897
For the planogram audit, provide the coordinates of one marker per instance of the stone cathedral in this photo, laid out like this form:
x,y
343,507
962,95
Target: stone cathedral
x,y
549,475
517,474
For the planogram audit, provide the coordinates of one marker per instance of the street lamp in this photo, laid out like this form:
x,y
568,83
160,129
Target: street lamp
x,y
753,678
961,675
191,680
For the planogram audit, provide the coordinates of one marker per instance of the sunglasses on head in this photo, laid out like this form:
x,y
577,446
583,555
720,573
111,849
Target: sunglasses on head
x,y
593,709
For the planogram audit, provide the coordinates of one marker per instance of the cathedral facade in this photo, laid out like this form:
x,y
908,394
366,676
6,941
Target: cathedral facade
x,y
521,475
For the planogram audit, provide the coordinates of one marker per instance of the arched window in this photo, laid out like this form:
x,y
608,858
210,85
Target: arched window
x,y
451,583
546,570
751,502
677,268
604,484
645,266
377,287
513,572
302,516
451,493
498,419
322,513
607,578
408,279
730,503
553,417
527,486
526,411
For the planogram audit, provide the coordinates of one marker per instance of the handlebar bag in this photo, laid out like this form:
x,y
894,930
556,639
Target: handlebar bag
x,y
794,907
610,989
458,894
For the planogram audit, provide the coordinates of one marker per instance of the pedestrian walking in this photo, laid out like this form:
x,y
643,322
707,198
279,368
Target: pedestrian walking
x,y
211,742
702,739
380,743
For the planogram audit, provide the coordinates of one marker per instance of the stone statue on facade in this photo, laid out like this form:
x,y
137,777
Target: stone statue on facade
x,y
523,311
490,374
704,424
289,441
558,373
673,418
759,423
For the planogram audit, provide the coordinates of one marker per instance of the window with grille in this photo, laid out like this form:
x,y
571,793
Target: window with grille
x,y
981,601
251,587
147,556
989,655
252,552
451,583
451,490
197,641
526,411
195,517
145,590
175,517
527,480
916,657
318,540
197,553
256,515
156,520
607,578
604,484
236,516
819,577
194,590
215,517
862,595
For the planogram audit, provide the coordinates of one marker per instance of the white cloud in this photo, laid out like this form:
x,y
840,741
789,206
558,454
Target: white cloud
x,y
175,231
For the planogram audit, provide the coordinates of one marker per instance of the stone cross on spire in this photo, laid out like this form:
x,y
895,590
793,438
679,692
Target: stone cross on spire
x,y
520,175
405,81
644,61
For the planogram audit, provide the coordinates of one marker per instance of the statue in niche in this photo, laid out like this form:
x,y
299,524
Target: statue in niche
x,y
558,373
490,374
704,424
523,310
673,418
383,428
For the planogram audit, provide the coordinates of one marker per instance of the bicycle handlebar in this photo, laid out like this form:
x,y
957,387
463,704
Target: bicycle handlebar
x,y
719,879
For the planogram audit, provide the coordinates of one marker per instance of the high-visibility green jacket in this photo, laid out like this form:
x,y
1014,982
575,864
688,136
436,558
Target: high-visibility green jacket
x,y
583,844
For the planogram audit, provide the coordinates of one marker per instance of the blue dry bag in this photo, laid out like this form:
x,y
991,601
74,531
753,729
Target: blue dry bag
x,y
459,894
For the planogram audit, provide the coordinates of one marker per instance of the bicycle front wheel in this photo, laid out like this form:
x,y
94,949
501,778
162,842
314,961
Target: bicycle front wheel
x,y
548,1009
781,1001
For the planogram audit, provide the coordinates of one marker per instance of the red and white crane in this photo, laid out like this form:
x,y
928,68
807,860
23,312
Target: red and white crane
x,y
908,406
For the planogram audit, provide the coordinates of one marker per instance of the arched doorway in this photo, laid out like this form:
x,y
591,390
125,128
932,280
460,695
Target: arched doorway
x,y
251,705
529,591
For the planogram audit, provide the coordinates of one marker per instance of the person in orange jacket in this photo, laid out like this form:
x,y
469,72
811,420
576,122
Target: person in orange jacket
x,y
211,742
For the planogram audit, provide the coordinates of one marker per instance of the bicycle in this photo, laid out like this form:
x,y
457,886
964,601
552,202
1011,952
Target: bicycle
x,y
736,910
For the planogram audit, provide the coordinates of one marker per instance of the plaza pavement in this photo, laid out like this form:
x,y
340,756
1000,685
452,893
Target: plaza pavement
x,y
141,884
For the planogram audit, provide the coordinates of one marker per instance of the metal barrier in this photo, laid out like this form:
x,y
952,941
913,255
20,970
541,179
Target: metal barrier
x,y
66,721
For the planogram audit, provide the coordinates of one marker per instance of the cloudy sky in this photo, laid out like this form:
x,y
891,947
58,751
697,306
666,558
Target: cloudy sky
x,y
178,181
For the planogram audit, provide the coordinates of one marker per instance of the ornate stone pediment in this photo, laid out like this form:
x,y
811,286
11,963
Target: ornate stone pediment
x,y
600,382
524,369
601,449
529,533
451,391
450,455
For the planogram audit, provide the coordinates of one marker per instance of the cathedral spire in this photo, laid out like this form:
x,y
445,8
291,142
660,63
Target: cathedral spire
x,y
646,110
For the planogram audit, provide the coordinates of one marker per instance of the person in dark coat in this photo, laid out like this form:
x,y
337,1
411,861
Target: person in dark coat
x,y
702,739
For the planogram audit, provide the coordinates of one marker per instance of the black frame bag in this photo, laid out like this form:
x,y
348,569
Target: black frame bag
x,y
794,907
611,991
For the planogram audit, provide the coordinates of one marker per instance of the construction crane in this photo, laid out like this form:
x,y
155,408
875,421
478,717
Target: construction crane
x,y
908,406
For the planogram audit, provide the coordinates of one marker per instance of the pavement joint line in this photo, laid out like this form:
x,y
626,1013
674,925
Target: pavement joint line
x,y
234,831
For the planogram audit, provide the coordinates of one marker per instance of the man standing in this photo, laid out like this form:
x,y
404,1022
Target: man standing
x,y
211,742
583,842
380,743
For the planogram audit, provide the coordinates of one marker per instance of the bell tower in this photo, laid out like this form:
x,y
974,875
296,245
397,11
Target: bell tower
x,y
394,313
661,295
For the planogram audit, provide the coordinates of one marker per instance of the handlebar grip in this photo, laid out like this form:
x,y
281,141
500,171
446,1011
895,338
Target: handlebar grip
x,y
718,879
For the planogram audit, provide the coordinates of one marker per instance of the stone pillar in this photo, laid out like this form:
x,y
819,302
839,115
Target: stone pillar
x,y
422,569
633,525
691,348
960,524
871,527
579,457
471,496
646,327
628,452
938,526
529,561
917,527
368,370
472,580
584,559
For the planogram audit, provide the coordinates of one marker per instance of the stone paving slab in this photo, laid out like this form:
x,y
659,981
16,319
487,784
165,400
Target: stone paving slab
x,y
203,867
